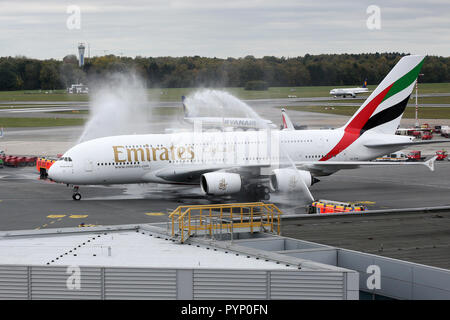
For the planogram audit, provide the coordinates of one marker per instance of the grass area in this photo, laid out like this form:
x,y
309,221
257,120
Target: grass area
x,y
40,122
412,100
174,94
434,88
430,100
424,112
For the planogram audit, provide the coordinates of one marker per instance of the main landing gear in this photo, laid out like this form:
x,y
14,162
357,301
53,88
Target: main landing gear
x,y
76,196
256,192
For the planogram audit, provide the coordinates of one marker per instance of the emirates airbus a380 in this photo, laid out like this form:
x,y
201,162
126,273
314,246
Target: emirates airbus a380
x,y
223,163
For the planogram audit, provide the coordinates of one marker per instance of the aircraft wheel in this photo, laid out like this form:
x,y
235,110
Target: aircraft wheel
x,y
76,196
263,192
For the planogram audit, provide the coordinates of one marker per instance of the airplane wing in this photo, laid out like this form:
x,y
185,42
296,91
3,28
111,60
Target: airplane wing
x,y
338,165
402,144
192,175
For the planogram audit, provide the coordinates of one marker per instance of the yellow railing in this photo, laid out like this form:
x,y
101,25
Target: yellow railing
x,y
224,217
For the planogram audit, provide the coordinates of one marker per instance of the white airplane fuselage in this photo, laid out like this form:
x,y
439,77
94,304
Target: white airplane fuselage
x,y
153,157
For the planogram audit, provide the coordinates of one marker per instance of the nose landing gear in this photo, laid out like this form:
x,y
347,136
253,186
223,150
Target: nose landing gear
x,y
76,196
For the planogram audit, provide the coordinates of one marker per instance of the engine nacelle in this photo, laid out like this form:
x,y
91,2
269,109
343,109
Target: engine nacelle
x,y
220,183
288,180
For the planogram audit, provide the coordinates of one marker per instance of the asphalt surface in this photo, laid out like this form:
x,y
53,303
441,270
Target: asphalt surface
x,y
26,202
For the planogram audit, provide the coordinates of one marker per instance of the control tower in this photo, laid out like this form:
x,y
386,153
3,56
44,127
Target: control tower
x,y
81,48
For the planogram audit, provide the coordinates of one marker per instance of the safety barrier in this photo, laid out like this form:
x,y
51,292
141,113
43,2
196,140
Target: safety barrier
x,y
210,219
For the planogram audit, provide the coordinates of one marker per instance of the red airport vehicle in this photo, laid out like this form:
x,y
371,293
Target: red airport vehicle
x,y
15,161
415,155
11,161
30,161
21,162
427,135
441,155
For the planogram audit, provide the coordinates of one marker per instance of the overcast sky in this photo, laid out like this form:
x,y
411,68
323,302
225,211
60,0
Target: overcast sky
x,y
225,28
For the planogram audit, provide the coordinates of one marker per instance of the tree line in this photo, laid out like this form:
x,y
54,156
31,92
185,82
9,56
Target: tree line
x,y
22,73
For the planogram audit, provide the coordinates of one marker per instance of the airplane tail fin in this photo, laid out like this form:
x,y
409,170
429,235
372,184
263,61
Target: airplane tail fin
x,y
365,83
287,123
383,109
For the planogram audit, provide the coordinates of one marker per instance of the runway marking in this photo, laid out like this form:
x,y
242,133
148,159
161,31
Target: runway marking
x,y
155,214
78,216
59,217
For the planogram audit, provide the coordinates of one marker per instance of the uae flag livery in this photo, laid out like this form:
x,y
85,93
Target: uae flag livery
x,y
382,111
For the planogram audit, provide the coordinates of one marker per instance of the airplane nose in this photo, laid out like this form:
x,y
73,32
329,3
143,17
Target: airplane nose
x,y
53,172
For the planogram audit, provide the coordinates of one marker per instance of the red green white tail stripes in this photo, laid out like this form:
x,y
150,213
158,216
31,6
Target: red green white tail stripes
x,y
382,111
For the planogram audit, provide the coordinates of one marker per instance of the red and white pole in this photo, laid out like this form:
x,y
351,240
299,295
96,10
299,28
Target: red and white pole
x,y
417,107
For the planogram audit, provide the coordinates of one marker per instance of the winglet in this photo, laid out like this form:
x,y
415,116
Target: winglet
x,y
287,123
430,163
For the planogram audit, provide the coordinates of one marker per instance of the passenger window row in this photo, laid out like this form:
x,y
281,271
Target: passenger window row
x,y
116,163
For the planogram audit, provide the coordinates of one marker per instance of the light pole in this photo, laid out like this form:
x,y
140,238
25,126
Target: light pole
x,y
417,107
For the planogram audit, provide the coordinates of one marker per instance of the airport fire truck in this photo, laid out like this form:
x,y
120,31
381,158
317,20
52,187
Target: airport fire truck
x,y
441,155
43,164
329,206
415,155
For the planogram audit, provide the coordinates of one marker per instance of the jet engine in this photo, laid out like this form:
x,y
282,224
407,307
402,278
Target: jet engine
x,y
288,180
220,183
